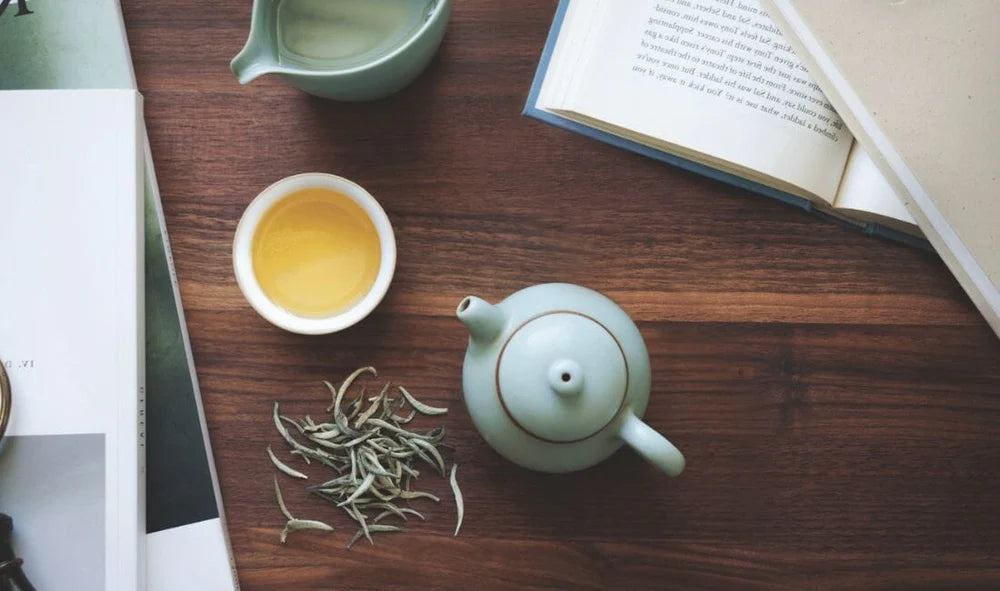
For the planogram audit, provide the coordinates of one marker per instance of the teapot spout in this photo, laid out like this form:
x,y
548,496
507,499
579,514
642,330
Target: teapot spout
x,y
484,320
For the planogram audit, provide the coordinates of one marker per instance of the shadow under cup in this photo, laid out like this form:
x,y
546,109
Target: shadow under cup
x,y
256,219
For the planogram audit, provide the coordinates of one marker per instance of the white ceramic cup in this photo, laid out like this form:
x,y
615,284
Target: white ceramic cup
x,y
243,260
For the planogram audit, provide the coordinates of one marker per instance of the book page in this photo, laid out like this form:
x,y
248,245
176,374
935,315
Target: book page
x,y
71,333
865,189
714,77
572,46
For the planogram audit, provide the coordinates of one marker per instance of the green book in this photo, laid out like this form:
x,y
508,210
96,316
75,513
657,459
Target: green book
x,y
62,44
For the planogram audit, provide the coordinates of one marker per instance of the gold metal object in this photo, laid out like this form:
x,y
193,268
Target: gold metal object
x,y
4,401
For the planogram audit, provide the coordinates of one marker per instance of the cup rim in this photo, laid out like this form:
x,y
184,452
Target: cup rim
x,y
243,259
442,10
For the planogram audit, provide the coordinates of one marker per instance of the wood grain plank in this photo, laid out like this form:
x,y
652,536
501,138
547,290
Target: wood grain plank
x,y
837,396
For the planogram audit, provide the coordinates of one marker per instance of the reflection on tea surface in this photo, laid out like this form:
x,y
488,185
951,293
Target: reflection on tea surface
x,y
341,34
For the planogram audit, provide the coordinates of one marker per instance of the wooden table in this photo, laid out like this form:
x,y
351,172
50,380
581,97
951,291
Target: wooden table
x,y
837,396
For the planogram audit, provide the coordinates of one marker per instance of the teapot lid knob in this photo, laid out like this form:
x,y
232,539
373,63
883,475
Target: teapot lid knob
x,y
566,377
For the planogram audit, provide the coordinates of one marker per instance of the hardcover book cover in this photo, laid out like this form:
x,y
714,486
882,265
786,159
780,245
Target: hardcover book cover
x,y
927,113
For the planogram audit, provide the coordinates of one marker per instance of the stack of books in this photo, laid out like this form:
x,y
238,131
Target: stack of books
x,y
919,83
107,469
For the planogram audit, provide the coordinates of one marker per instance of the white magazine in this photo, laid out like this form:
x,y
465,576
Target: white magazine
x,y
187,544
72,471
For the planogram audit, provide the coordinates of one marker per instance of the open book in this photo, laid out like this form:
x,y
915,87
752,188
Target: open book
x,y
712,83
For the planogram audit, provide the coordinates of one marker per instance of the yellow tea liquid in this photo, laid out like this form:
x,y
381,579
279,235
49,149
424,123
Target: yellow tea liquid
x,y
316,252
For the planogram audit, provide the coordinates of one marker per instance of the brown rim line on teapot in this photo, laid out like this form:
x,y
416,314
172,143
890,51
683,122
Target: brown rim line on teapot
x,y
556,378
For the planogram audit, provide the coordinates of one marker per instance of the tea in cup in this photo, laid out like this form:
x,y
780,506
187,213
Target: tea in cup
x,y
314,253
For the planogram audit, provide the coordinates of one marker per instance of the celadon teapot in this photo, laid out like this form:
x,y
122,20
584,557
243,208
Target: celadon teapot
x,y
556,378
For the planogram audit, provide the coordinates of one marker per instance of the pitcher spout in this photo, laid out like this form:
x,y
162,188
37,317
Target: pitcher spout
x,y
258,56
484,320
251,63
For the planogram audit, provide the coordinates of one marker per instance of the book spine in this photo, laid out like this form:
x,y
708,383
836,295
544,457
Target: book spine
x,y
140,349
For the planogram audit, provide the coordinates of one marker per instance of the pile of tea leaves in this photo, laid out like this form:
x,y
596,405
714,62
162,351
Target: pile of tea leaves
x,y
374,456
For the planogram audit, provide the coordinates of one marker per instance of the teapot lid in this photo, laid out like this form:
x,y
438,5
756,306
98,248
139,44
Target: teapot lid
x,y
562,377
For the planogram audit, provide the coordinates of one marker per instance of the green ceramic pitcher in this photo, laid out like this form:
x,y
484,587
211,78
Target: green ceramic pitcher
x,y
348,50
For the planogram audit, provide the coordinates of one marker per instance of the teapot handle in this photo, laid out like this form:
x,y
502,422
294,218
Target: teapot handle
x,y
653,446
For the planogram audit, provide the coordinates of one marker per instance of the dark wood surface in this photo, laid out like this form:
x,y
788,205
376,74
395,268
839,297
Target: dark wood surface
x,y
837,396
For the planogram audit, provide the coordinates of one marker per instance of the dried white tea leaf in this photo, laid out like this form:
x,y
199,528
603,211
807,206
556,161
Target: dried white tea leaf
x,y
371,454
